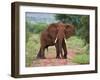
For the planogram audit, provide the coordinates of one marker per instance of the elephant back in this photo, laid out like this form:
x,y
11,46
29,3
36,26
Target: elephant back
x,y
52,30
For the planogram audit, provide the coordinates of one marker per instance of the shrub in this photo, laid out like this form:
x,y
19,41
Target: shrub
x,y
32,48
75,42
35,27
81,58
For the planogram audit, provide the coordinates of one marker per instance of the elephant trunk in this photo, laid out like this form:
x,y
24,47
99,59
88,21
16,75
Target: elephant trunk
x,y
59,39
60,46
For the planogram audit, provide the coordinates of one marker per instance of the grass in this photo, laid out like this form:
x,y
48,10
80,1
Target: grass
x,y
75,43
81,58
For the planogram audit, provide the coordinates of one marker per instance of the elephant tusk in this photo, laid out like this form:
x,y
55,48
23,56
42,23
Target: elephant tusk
x,y
65,40
56,40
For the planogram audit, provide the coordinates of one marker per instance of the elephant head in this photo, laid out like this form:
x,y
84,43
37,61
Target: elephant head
x,y
64,31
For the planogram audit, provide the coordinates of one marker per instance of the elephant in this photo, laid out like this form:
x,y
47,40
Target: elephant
x,y
55,35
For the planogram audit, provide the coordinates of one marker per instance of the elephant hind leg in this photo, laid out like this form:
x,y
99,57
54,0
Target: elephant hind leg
x,y
57,51
40,54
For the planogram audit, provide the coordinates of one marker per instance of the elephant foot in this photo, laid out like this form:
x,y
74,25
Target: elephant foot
x,y
41,57
58,57
65,57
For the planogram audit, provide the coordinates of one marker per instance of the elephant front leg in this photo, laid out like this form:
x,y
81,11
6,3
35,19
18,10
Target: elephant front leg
x,y
57,51
64,48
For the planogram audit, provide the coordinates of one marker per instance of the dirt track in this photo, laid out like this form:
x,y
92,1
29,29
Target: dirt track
x,y
51,61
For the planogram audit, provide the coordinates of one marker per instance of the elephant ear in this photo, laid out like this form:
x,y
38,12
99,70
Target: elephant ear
x,y
52,30
69,30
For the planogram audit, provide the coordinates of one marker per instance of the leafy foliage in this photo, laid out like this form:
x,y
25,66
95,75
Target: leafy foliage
x,y
75,42
32,48
34,28
81,58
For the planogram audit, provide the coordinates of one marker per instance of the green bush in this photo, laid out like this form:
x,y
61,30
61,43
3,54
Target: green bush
x,y
81,58
32,48
35,27
39,27
75,42
80,48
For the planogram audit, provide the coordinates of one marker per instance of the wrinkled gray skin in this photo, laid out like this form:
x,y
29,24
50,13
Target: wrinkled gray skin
x,y
55,35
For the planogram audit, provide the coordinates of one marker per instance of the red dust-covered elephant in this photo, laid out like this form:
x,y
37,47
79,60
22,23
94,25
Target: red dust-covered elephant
x,y
55,35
